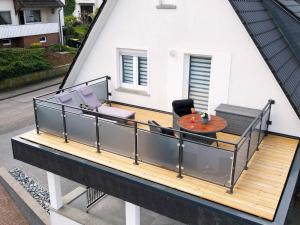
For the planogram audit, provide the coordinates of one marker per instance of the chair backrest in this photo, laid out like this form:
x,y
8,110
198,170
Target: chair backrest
x,y
154,127
183,107
88,97
66,98
159,129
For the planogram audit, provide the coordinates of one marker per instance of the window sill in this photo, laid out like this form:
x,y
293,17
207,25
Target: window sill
x,y
166,6
133,91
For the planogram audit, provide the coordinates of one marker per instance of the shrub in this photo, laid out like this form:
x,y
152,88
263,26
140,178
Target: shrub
x,y
70,21
36,45
16,62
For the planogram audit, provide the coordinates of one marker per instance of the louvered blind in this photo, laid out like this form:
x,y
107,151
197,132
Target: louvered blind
x,y
143,71
127,69
199,81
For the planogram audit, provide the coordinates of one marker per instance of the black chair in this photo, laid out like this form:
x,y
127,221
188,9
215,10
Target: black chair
x,y
181,108
155,127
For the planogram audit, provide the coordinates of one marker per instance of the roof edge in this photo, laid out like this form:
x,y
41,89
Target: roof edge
x,y
266,61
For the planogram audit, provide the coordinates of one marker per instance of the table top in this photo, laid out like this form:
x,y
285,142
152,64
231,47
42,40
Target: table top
x,y
215,124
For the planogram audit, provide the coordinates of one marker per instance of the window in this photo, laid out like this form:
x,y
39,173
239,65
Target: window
x,y
6,42
199,81
166,4
43,39
134,70
33,16
5,18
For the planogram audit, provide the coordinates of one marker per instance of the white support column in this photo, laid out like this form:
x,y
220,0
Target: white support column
x,y
132,214
54,187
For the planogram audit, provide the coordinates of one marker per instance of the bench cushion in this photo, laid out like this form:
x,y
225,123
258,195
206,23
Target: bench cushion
x,y
116,112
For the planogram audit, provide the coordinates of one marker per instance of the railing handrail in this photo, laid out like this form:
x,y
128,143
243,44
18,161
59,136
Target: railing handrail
x,y
99,115
67,88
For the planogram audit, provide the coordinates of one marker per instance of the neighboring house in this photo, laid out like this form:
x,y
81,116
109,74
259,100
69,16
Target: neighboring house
x,y
24,22
243,54
86,7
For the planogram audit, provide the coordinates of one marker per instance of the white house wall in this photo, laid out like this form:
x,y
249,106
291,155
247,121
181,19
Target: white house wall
x,y
8,5
239,74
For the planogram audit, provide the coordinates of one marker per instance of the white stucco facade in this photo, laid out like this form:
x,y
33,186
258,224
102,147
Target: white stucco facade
x,y
239,75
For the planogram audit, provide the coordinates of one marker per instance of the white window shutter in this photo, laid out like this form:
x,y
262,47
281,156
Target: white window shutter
x,y
127,69
199,80
143,71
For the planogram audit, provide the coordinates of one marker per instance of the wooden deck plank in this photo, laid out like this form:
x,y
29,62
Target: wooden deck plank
x,y
257,192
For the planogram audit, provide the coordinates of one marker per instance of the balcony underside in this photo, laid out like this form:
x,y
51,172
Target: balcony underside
x,y
257,192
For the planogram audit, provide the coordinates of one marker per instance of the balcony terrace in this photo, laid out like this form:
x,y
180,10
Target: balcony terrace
x,y
246,172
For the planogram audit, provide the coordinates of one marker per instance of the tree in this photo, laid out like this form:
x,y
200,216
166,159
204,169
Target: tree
x,y
69,7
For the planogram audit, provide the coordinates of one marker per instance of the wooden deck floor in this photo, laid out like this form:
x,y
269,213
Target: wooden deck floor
x,y
257,192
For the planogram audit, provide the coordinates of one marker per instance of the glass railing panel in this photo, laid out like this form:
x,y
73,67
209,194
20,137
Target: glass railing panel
x,y
241,157
49,120
254,139
207,162
100,90
117,138
158,149
81,128
51,102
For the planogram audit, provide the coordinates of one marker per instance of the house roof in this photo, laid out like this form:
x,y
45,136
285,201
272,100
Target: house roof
x,y
275,29
292,5
37,4
275,33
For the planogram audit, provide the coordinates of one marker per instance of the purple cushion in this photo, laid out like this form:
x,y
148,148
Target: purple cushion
x,y
85,91
88,97
66,98
116,112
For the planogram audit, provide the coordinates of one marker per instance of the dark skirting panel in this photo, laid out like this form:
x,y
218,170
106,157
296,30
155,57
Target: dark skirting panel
x,y
169,202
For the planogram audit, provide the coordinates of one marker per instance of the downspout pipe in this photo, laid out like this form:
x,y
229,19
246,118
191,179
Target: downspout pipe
x,y
61,38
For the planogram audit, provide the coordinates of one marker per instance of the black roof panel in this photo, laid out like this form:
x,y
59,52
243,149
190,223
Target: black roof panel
x,y
269,24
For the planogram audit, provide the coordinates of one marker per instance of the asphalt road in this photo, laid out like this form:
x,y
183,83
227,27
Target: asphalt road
x,y
16,117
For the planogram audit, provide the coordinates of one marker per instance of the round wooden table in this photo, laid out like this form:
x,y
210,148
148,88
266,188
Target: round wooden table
x,y
216,124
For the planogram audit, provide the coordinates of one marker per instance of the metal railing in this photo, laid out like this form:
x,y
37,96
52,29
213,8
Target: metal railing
x,y
178,153
93,196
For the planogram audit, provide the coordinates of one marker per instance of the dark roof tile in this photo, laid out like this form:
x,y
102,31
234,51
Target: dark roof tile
x,y
277,44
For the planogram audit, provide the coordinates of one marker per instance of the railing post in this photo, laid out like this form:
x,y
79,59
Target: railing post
x,y
35,117
180,155
271,102
259,133
135,144
230,191
64,123
249,142
107,90
97,133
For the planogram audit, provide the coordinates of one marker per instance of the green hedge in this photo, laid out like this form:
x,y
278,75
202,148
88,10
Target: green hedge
x,y
16,62
69,7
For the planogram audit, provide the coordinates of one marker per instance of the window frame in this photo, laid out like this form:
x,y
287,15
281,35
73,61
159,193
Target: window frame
x,y
135,54
43,41
8,42
25,16
7,11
